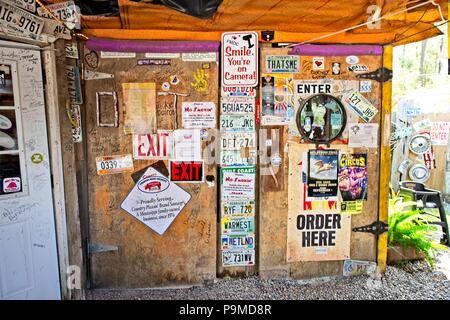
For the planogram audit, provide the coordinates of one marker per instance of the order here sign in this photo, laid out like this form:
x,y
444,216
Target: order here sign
x,y
186,171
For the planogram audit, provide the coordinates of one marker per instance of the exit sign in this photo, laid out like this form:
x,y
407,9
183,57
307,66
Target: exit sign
x,y
186,171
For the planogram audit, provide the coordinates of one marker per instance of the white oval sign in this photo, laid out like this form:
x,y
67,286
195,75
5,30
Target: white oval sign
x,y
6,141
352,59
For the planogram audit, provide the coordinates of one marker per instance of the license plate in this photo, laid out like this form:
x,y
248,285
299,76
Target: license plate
x,y
238,258
237,141
237,123
29,5
65,11
238,241
361,106
238,208
20,20
237,105
238,225
357,267
238,91
114,164
235,158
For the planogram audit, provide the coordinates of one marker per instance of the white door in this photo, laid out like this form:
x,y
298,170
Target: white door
x,y
28,255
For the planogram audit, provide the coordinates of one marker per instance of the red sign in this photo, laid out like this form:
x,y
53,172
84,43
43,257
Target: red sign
x,y
153,146
186,171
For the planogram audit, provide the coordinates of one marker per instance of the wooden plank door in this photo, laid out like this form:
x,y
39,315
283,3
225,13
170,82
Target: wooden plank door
x,y
138,256
276,201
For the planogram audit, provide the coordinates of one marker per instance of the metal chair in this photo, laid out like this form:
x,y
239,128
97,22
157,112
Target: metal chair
x,y
415,191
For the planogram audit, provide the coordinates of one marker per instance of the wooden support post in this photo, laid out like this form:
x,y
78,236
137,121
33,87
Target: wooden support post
x,y
385,160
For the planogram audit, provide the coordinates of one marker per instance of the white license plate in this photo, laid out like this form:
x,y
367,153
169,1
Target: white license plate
x,y
357,267
237,208
65,11
235,158
114,164
20,20
237,141
237,123
238,258
238,241
237,105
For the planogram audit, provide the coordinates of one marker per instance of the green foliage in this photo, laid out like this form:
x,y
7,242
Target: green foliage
x,y
409,226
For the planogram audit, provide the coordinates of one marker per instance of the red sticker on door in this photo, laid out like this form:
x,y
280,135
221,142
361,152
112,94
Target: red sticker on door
x,y
11,185
318,63
186,171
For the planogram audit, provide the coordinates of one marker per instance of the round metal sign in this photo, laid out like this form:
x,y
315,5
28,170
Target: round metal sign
x,y
419,173
419,144
321,118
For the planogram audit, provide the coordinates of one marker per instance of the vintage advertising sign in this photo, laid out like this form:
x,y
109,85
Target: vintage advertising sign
x,y
322,173
238,225
139,100
360,105
20,21
11,185
114,164
155,201
353,182
237,123
187,144
239,59
199,56
162,55
238,241
238,183
29,5
186,171
439,133
236,258
65,11
237,208
198,115
237,141
238,91
237,105
73,84
153,146
282,64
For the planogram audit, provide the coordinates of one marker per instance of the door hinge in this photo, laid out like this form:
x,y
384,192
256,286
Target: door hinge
x,y
376,228
98,247
381,75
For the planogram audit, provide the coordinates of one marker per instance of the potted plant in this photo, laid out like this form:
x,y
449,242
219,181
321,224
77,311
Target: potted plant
x,y
410,232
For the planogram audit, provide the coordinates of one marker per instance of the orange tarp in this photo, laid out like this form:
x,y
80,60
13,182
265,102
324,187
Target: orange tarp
x,y
292,21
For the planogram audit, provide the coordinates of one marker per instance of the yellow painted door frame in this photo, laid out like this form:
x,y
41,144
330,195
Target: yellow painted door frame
x,y
385,160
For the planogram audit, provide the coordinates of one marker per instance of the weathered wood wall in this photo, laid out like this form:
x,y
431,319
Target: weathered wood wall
x,y
186,253
273,206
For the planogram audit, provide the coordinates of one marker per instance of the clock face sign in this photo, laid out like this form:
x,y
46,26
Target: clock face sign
x,y
321,118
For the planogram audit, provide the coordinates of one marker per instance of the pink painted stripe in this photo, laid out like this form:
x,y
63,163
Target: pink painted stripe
x,y
336,50
98,44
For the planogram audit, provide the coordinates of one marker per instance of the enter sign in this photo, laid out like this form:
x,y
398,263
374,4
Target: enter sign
x,y
186,171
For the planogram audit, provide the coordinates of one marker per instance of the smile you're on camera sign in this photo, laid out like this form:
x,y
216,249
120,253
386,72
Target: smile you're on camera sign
x,y
240,59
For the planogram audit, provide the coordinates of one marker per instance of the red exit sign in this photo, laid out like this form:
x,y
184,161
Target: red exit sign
x,y
186,171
